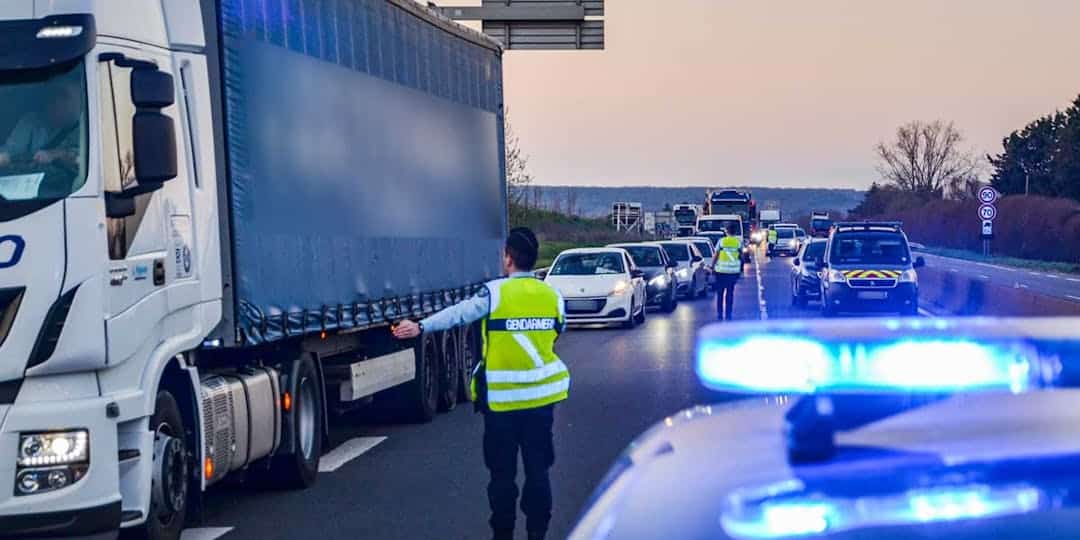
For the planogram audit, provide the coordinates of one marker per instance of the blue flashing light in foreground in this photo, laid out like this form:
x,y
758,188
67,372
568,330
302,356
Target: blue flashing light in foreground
x,y
814,514
777,363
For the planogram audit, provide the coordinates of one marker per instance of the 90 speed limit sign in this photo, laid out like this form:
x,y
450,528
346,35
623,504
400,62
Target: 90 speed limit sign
x,y
987,195
987,212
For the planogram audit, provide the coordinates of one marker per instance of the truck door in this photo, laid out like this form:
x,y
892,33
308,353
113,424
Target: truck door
x,y
150,253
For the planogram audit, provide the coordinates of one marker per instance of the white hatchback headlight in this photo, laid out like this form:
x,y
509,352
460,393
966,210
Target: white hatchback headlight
x,y
620,288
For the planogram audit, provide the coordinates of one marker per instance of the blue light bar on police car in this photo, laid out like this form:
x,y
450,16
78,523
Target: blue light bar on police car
x,y
887,355
816,514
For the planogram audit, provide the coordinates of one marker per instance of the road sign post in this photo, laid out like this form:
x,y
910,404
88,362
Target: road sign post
x,y
987,212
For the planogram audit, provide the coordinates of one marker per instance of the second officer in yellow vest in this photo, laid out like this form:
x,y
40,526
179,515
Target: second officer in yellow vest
x,y
727,265
517,385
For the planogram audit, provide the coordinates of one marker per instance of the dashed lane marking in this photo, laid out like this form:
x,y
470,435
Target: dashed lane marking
x,y
348,451
204,533
1072,279
927,313
984,276
760,291
1071,297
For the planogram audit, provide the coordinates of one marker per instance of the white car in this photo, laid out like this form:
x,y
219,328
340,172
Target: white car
x,y
599,285
691,274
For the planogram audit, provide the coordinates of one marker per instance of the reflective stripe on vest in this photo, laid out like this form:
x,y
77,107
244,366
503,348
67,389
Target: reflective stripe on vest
x,y
729,258
521,368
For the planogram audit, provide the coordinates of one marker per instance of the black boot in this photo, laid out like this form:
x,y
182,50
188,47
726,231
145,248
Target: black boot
x,y
537,535
504,535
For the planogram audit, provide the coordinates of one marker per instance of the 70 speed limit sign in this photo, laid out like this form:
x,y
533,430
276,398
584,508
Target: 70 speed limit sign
x,y
987,212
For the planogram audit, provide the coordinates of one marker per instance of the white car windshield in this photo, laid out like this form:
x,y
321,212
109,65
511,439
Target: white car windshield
x,y
588,264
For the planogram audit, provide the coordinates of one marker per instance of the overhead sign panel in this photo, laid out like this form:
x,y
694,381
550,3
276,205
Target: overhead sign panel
x,y
538,24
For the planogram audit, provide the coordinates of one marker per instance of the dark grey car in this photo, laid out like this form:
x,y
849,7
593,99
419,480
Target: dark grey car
x,y
660,281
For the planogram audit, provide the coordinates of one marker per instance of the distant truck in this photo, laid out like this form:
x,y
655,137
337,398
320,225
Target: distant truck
x,y
820,224
686,217
766,218
731,201
218,267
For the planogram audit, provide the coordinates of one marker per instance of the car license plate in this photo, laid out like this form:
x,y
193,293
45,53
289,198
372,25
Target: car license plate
x,y
873,295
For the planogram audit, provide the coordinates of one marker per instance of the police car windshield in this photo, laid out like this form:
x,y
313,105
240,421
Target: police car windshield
x,y
869,247
588,264
677,252
646,256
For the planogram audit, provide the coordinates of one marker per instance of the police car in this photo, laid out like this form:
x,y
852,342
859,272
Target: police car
x,y
868,267
876,428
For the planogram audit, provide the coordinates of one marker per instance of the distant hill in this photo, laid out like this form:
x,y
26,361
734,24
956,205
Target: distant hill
x,y
594,201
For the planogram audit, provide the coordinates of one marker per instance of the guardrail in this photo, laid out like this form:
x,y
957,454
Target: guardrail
x,y
958,294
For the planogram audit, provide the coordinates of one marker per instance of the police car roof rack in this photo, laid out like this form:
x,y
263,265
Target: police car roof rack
x,y
897,225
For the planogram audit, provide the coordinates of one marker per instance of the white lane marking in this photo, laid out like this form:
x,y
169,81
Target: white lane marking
x,y
1071,297
762,308
984,276
954,270
1040,274
1021,286
348,451
1072,279
204,533
927,313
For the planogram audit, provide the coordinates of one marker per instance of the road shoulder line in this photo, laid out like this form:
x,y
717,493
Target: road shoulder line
x,y
348,451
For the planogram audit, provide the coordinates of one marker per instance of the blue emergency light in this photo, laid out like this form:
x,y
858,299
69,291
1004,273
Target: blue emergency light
x,y
887,356
816,514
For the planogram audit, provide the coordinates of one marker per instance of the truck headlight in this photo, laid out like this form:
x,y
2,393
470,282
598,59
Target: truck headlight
x,y
909,276
836,276
50,461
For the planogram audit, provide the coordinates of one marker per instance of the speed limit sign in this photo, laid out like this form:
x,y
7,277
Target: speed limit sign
x,y
987,195
987,212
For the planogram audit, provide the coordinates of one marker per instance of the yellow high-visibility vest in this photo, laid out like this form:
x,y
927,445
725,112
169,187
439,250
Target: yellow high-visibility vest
x,y
520,367
729,257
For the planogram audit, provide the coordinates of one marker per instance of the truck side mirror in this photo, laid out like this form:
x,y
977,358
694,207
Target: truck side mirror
x,y
153,133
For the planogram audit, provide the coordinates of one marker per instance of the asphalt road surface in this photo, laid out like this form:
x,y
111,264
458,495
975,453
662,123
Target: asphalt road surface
x,y
428,481
1062,286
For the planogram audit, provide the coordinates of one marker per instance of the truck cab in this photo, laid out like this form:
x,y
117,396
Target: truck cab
x,y
109,267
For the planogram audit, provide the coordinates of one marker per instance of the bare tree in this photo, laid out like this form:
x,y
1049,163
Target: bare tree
x,y
926,159
518,178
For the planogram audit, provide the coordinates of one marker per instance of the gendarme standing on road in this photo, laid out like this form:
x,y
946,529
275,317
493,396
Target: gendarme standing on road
x,y
518,383
728,267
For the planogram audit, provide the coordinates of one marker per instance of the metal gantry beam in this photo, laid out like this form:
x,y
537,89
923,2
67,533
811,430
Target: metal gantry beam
x,y
538,24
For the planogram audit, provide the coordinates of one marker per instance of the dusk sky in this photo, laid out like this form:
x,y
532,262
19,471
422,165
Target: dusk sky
x,y
784,92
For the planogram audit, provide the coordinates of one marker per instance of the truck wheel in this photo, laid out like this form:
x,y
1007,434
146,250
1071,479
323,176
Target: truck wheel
x,y
470,356
296,464
420,396
169,486
449,370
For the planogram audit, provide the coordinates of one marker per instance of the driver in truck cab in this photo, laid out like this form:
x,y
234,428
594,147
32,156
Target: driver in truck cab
x,y
48,133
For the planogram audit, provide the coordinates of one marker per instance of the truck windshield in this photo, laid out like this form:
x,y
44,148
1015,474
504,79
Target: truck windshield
x,y
869,248
685,217
819,224
43,132
587,264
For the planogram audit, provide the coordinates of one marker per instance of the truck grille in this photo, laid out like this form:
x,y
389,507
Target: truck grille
x,y
9,306
219,437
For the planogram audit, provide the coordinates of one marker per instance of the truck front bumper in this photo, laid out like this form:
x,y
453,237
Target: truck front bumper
x,y
87,508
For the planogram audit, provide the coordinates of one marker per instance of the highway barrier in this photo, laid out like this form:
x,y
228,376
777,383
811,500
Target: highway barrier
x,y
958,294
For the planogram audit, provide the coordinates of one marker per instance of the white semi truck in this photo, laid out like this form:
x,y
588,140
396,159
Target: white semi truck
x,y
205,236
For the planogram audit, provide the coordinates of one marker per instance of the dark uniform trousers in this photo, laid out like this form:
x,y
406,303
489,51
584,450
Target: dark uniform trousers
x,y
725,294
529,430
